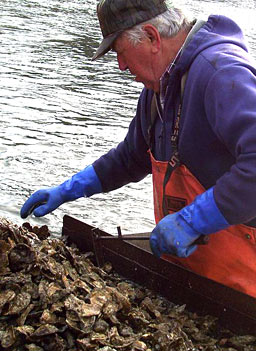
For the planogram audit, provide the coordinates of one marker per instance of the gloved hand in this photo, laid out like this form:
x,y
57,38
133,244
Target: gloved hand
x,y
84,183
176,233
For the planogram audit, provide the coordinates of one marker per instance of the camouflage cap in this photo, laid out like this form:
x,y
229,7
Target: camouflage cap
x,y
115,16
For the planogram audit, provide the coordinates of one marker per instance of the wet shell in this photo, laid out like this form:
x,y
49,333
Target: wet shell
x,y
8,338
4,261
20,256
6,296
44,330
18,303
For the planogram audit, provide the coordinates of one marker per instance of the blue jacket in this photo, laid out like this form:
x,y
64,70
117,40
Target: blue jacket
x,y
217,139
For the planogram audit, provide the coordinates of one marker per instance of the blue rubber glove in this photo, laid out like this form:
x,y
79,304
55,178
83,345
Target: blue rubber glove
x,y
176,233
84,183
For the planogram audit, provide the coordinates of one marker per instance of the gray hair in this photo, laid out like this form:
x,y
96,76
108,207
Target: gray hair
x,y
168,24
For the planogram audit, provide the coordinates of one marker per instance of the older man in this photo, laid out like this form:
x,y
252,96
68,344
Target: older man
x,y
194,130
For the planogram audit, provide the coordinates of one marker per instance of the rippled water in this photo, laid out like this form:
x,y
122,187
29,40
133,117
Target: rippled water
x,y
60,111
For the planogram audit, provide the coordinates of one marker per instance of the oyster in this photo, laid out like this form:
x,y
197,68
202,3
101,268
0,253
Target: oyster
x,y
6,296
18,303
52,298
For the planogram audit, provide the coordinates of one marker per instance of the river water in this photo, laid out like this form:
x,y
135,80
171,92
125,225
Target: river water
x,y
60,111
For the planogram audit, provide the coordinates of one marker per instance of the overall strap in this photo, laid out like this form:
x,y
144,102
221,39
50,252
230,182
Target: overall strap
x,y
153,116
175,160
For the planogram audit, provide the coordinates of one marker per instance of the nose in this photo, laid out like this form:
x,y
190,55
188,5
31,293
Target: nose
x,y
121,63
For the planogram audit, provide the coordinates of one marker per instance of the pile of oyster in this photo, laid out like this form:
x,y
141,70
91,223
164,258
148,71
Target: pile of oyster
x,y
53,298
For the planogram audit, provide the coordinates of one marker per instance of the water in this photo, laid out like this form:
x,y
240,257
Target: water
x,y
60,111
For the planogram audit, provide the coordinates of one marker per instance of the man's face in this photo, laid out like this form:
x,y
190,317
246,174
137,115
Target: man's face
x,y
139,60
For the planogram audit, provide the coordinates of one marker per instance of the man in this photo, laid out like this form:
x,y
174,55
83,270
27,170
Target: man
x,y
194,130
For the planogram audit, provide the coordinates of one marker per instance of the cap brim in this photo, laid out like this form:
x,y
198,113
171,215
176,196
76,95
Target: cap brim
x,y
105,45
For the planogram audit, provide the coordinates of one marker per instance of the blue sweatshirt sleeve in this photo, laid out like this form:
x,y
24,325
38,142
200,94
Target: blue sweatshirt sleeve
x,y
230,102
130,160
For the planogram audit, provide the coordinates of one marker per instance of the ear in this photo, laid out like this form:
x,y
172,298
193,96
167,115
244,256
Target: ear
x,y
154,37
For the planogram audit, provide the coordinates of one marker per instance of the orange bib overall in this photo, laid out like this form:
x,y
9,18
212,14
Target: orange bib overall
x,y
230,255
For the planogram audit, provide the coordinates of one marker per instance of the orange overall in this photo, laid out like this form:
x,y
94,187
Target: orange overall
x,y
230,255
